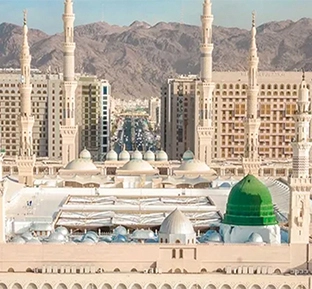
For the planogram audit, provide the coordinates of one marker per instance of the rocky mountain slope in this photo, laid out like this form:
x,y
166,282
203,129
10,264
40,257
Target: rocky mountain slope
x,y
136,59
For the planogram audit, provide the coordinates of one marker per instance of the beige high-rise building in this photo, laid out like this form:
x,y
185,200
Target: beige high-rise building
x,y
93,115
278,94
46,104
189,112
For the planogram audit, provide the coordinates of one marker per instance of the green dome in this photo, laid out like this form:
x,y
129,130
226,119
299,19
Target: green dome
x,y
250,204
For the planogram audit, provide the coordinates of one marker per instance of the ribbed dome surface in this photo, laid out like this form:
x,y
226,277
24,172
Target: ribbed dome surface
x,y
250,204
176,223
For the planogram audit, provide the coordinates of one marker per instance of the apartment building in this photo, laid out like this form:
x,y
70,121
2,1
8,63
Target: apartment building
x,y
276,105
46,104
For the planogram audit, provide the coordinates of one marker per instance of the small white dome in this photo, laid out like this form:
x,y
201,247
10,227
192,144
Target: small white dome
x,y
137,165
62,230
188,155
124,155
143,234
161,156
111,156
176,223
56,237
255,238
137,155
85,154
214,237
120,230
149,156
193,166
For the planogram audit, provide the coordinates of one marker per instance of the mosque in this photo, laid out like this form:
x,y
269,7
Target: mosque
x,y
141,222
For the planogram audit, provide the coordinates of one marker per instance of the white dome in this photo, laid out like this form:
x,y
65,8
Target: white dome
x,y
255,238
193,166
149,156
143,234
161,156
124,155
136,155
214,237
62,230
137,165
85,154
111,156
188,155
176,223
81,165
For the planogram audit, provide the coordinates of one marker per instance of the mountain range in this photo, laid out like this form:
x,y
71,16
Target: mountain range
x,y
138,58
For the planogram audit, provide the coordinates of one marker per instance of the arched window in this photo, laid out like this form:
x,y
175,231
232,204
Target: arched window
x,y
218,86
288,86
173,253
224,86
231,86
237,86
275,86
282,86
181,253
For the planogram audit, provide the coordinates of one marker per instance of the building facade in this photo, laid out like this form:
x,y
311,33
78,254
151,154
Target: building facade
x,y
278,93
46,103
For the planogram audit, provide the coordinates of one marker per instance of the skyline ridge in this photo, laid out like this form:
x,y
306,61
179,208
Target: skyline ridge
x,y
184,11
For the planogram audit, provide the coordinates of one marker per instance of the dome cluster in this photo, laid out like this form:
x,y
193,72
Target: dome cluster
x,y
148,156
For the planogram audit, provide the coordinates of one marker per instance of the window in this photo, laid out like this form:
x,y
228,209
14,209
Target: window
x,y
173,254
181,253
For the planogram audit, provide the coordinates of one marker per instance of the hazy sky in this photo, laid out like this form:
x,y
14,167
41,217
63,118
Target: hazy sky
x,y
46,14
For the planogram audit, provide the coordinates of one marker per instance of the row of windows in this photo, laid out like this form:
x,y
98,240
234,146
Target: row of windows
x,y
262,86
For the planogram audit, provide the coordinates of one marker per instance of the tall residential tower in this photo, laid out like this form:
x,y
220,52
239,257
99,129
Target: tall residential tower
x,y
69,128
26,159
251,159
204,121
300,180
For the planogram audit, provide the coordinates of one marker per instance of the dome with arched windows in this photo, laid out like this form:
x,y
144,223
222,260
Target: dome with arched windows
x,y
177,228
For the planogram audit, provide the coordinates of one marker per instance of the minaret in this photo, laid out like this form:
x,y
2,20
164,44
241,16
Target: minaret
x,y
251,159
25,160
300,180
69,128
204,121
